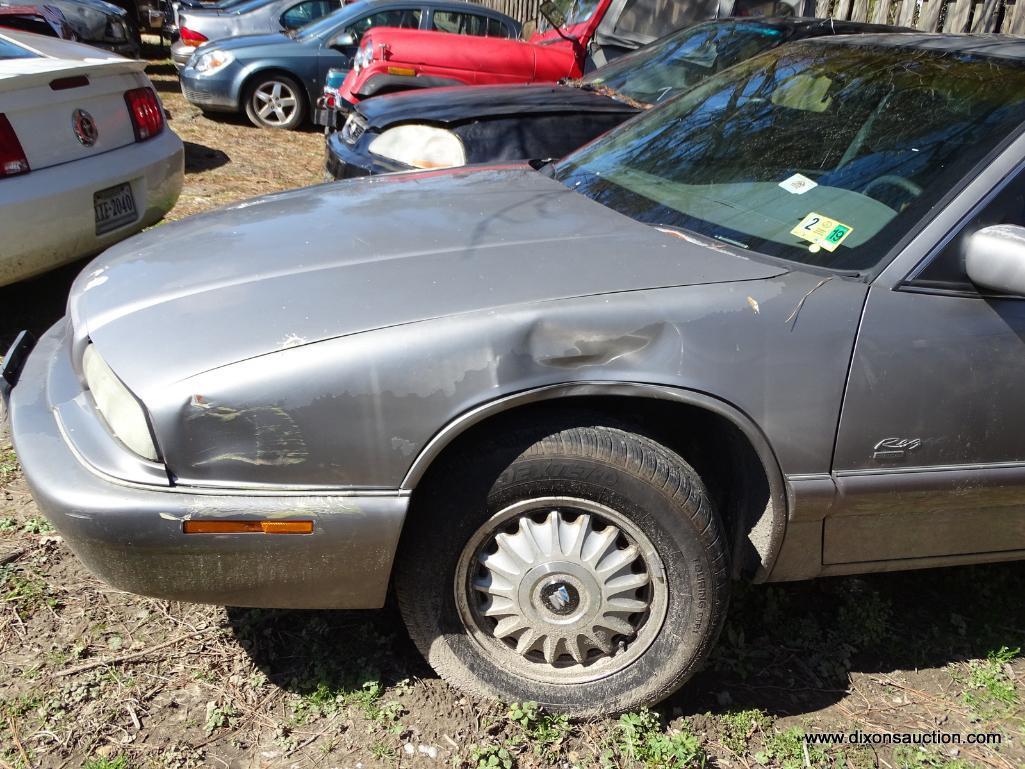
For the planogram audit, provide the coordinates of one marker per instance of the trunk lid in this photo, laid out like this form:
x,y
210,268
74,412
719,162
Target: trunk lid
x,y
51,103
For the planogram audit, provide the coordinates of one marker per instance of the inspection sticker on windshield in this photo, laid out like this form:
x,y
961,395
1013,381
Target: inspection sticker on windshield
x,y
822,232
798,184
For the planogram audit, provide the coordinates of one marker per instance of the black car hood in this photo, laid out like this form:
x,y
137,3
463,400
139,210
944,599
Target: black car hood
x,y
460,103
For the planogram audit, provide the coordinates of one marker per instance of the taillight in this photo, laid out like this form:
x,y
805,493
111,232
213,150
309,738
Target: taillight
x,y
191,37
12,156
147,115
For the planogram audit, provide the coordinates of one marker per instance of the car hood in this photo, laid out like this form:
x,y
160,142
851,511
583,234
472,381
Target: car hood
x,y
349,257
458,103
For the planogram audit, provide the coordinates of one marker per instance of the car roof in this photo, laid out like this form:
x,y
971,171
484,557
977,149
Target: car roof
x,y
989,45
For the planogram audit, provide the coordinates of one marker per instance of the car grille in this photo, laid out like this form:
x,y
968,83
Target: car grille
x,y
355,126
196,95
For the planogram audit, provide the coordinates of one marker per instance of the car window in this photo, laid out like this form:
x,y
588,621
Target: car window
x,y
28,24
826,154
497,29
406,18
9,50
946,270
682,60
307,11
459,23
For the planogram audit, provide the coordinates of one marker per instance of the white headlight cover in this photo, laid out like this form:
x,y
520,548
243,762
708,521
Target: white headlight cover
x,y
117,405
420,146
363,57
212,61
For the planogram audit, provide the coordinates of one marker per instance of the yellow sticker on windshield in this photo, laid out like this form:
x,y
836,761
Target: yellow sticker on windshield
x,y
822,231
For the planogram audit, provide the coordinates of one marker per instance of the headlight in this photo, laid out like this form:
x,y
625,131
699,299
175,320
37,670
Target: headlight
x,y
118,407
420,146
363,56
117,30
212,61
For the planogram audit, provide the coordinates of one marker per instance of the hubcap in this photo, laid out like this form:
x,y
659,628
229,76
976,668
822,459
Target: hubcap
x,y
562,589
275,102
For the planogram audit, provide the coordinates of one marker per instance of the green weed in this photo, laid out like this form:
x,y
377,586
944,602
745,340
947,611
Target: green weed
x,y
991,690
119,762
545,731
736,728
918,758
790,751
490,757
641,738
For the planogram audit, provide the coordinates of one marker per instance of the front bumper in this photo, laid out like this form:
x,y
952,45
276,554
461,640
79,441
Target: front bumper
x,y
131,535
345,161
213,93
35,240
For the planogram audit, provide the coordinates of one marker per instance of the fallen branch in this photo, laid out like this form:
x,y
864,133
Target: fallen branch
x,y
128,657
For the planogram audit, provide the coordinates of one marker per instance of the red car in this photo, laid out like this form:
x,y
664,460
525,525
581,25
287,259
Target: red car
x,y
590,32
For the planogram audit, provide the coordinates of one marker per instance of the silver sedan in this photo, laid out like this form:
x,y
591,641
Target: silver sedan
x,y
251,17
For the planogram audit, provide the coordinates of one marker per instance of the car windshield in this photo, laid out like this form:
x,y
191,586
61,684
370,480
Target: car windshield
x,y
819,153
9,50
575,11
681,60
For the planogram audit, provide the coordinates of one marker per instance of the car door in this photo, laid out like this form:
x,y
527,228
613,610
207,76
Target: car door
x,y
930,454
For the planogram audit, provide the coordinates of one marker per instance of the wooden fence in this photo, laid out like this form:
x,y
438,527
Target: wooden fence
x,y
521,10
927,15
932,15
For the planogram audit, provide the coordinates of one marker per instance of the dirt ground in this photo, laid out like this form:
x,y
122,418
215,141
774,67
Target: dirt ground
x,y
93,677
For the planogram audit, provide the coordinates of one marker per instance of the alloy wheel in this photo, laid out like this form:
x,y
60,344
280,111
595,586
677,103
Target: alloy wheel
x,y
275,102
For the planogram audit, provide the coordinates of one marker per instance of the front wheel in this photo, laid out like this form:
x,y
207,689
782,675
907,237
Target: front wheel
x,y
275,101
585,570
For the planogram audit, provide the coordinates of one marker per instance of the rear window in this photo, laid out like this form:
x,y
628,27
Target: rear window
x,y
9,50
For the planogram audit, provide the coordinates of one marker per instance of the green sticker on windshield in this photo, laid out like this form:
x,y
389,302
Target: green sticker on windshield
x,y
822,231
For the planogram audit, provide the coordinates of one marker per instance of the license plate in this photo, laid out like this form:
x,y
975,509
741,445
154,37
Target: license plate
x,y
115,207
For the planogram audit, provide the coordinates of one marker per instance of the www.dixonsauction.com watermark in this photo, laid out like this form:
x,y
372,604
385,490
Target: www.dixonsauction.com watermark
x,y
902,738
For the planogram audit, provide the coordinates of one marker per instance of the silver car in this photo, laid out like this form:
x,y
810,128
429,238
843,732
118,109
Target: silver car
x,y
200,25
773,329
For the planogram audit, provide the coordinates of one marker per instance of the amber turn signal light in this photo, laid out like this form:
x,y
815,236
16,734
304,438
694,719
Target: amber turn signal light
x,y
247,527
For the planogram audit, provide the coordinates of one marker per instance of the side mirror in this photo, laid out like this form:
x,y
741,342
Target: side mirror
x,y
553,14
995,258
344,40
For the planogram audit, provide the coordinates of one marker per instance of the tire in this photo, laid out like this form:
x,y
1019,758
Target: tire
x,y
483,508
274,100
